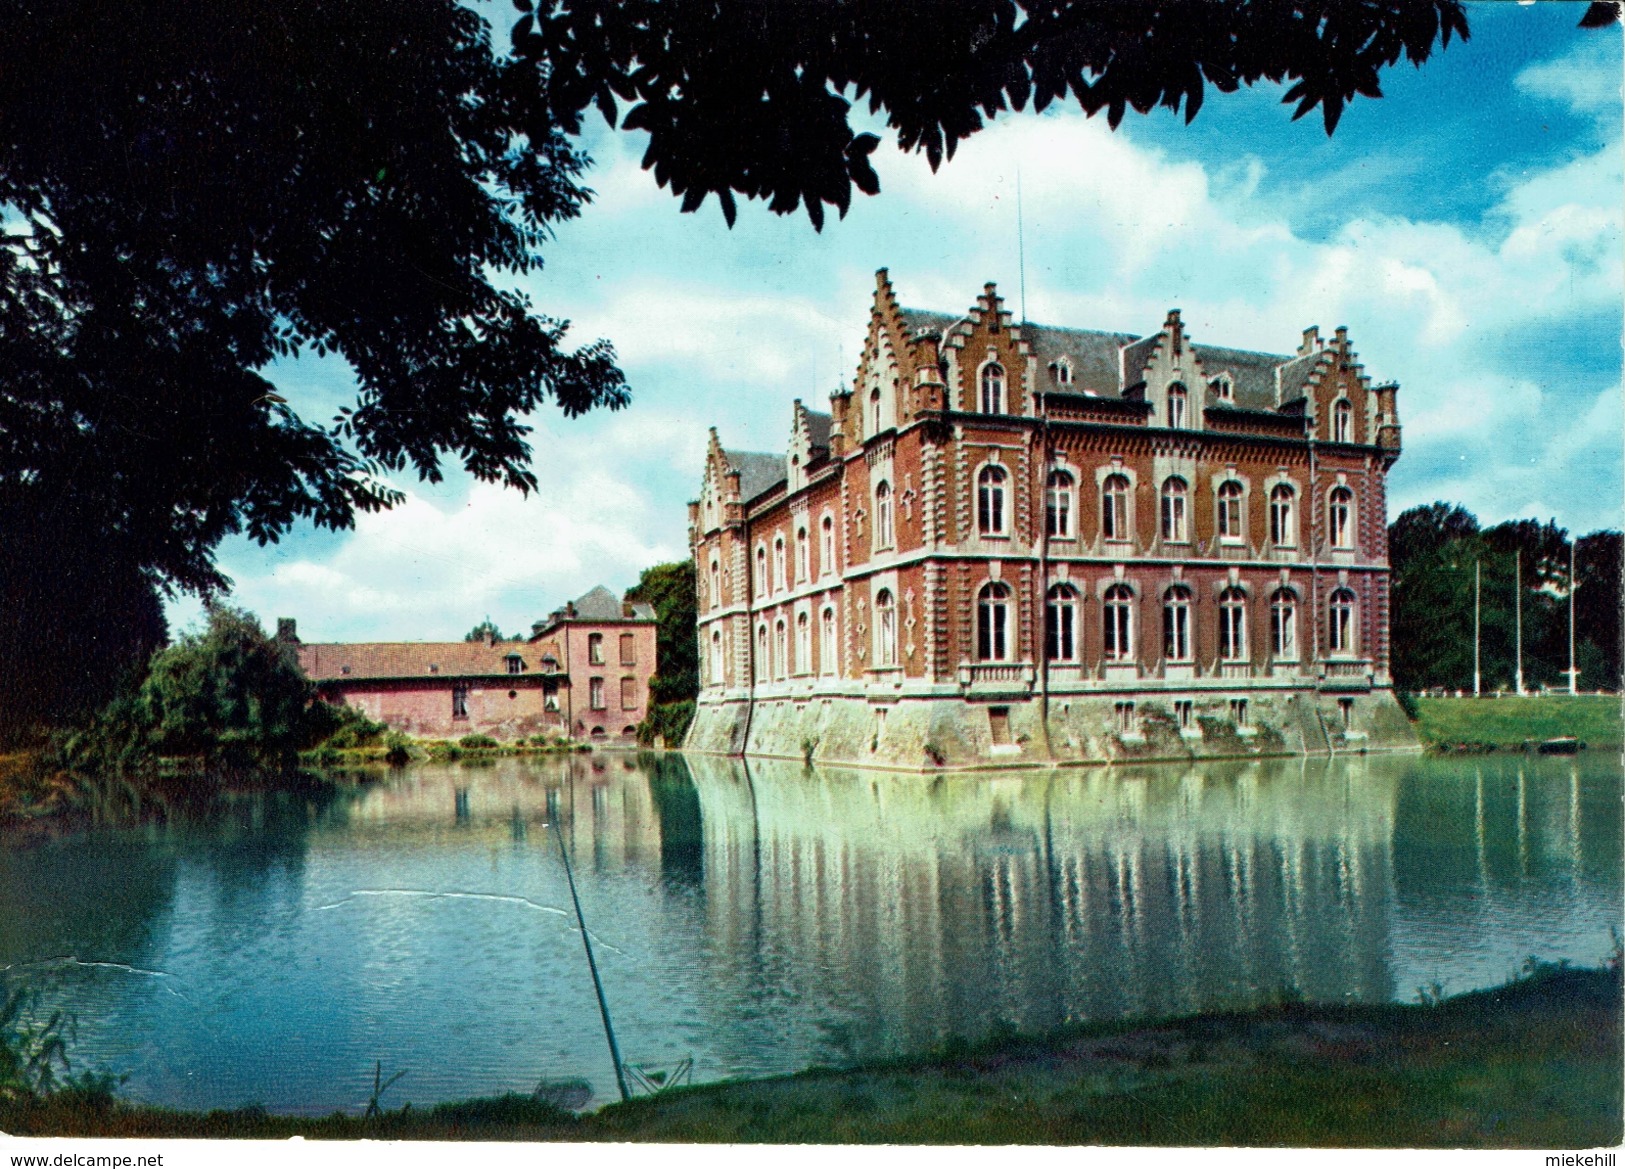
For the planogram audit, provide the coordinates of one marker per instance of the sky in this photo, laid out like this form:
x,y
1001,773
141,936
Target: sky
x,y
1466,227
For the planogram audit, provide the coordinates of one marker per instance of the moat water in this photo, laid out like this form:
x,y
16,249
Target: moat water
x,y
759,922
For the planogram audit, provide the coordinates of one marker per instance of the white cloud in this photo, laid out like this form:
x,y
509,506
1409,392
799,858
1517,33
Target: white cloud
x,y
1587,79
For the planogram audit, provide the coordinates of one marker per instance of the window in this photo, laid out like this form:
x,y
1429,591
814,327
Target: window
x,y
1062,370
1222,387
781,577
1119,623
1284,624
1341,629
874,411
826,641
1060,624
1238,711
595,693
1184,708
803,555
1176,406
885,629
1058,505
1345,708
826,546
1230,511
990,517
1114,507
1340,513
516,664
716,657
883,524
1125,718
1342,421
1283,519
1174,528
1176,624
595,649
993,622
761,571
1233,625
459,701
803,644
993,388
629,693
629,649
716,582
761,653
781,649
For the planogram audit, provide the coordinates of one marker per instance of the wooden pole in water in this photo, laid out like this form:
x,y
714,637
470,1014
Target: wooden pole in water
x,y
1517,614
1478,581
597,986
1574,675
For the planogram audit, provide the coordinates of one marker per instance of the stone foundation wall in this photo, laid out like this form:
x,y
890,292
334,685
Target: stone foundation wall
x,y
931,733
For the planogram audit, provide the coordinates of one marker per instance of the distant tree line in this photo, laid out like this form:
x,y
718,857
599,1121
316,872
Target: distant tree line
x,y
1434,551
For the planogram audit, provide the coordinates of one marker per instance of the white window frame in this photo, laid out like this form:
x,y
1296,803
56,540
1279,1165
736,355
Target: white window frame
x,y
1177,642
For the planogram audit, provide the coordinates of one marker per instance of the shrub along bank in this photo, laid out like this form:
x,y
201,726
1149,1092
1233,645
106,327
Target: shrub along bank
x,y
1536,1063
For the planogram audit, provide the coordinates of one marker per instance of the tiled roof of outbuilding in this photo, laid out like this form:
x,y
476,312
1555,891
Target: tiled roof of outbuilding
x,y
323,662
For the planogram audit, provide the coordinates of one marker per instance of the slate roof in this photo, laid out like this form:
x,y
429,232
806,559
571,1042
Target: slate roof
x,y
817,430
759,473
352,661
1252,374
1093,355
919,320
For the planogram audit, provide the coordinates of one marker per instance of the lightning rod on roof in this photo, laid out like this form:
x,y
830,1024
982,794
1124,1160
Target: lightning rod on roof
x,y
1021,247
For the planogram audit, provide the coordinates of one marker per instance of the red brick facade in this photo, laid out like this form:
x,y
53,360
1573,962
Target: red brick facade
x,y
999,512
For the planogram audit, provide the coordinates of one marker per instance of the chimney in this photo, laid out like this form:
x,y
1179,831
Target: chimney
x,y
1311,341
287,629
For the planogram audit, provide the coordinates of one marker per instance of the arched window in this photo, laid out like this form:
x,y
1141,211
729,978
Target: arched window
x,y
993,622
761,571
1340,627
1119,623
874,410
716,658
781,649
1176,406
761,653
1058,505
1061,624
990,510
883,524
1232,625
1062,369
826,641
781,578
1340,517
1342,421
1230,511
826,546
885,629
993,388
1176,624
1175,530
1284,624
1283,516
803,555
803,644
1114,507
716,582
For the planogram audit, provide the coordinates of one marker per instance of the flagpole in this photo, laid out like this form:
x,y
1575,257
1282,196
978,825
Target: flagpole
x,y
1574,675
1478,575
1517,611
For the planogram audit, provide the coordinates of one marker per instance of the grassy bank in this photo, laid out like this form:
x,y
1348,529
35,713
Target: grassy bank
x,y
1509,722
1533,1064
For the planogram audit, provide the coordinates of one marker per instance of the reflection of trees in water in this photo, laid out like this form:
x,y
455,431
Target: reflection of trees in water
x,y
923,905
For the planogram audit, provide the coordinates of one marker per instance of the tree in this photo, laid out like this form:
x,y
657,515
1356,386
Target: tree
x,y
670,589
485,631
195,189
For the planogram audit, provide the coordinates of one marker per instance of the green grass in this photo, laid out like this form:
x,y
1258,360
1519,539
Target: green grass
x,y
1508,722
1535,1064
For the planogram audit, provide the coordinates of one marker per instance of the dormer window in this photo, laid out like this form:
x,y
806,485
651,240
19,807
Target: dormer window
x,y
516,664
1222,387
1061,371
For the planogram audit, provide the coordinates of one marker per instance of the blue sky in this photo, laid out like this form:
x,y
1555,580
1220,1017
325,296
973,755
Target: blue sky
x,y
1466,228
